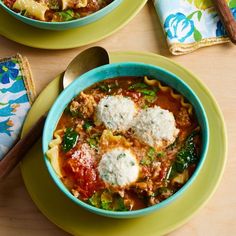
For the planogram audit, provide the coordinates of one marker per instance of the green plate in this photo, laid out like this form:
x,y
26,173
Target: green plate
x,y
38,38
73,219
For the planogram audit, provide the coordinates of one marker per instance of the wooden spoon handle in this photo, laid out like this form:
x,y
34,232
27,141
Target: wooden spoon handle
x,y
16,154
227,18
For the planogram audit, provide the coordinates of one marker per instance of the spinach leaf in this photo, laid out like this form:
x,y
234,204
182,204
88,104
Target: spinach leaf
x,y
104,87
137,86
147,92
161,154
107,201
67,15
95,200
118,204
185,157
150,93
69,140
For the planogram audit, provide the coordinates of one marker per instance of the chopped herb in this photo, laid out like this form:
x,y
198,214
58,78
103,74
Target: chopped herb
x,y
87,125
147,160
93,141
161,154
147,92
122,155
132,163
104,87
151,153
107,87
105,176
109,122
69,140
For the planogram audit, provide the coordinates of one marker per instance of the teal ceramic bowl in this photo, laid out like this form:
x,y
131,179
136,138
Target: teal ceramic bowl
x,y
67,24
113,71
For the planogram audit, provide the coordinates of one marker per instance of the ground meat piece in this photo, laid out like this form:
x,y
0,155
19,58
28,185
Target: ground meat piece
x,y
142,186
93,5
182,118
74,106
85,105
75,192
156,168
129,203
153,201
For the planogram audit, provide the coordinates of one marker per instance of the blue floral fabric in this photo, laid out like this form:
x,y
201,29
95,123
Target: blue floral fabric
x,y
190,21
14,103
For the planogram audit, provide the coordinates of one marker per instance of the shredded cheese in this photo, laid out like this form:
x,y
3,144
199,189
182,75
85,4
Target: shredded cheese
x,y
84,155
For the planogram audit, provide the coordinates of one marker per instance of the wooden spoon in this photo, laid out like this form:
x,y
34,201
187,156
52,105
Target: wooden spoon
x,y
227,18
83,62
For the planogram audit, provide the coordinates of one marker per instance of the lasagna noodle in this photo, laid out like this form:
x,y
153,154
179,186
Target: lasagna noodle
x,y
73,4
53,152
33,8
172,93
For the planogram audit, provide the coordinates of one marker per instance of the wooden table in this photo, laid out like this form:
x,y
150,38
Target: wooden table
x,y
216,68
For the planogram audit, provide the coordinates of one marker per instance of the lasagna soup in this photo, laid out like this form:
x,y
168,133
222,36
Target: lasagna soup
x,y
56,10
126,144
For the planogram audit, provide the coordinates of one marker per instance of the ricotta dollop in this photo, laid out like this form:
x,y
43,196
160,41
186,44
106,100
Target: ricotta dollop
x,y
118,167
155,127
116,112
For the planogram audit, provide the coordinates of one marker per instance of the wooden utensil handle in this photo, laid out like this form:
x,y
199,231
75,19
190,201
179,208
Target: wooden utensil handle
x,y
15,155
227,18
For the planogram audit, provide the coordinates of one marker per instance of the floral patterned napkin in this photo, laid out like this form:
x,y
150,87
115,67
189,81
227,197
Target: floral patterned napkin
x,y
191,24
17,92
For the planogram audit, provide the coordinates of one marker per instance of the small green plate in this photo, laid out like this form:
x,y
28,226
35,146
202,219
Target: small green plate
x,y
73,219
93,32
